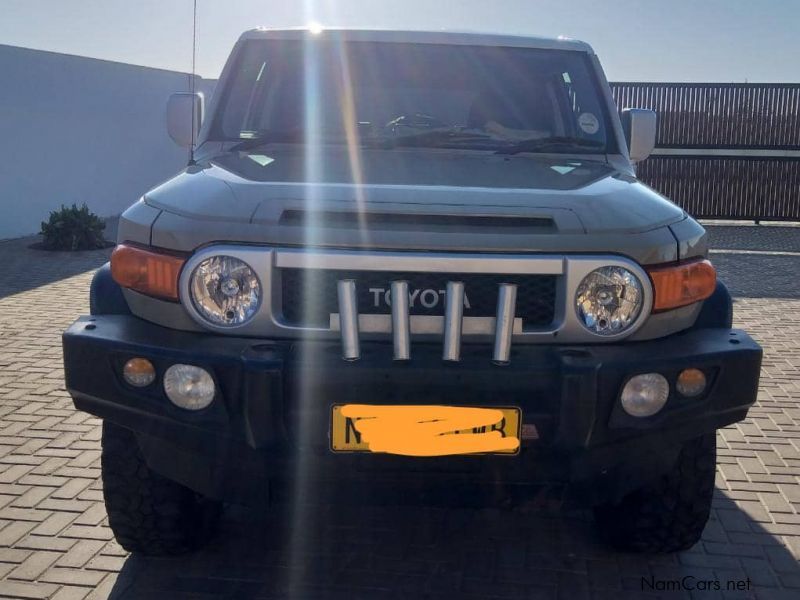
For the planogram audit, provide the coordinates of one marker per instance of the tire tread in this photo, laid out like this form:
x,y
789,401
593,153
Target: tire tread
x,y
670,514
148,513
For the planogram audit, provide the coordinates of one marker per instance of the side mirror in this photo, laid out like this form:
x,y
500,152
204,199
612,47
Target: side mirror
x,y
639,126
184,117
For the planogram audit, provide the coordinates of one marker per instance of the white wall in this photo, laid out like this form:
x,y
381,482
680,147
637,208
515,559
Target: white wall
x,y
76,129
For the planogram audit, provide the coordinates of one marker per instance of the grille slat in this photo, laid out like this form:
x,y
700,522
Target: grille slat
x,y
309,296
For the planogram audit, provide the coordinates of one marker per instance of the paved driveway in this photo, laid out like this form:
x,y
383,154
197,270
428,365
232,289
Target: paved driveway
x,y
54,541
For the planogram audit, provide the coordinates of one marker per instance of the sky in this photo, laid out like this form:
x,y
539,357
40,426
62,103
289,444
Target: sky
x,y
636,40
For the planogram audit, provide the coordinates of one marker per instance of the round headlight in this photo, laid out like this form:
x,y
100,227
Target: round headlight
x,y
609,300
225,290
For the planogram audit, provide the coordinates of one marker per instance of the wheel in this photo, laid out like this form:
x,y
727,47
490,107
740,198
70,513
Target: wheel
x,y
668,515
148,513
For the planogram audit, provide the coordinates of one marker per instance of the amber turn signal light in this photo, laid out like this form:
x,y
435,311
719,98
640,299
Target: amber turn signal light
x,y
682,284
139,372
146,271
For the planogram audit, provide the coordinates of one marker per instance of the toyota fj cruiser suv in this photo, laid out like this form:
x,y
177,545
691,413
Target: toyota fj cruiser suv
x,y
409,266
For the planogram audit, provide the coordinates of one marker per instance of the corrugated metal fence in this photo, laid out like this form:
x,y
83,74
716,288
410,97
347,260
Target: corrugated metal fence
x,y
728,151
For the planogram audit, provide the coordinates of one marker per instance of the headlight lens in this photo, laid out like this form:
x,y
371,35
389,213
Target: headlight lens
x,y
189,387
225,290
609,300
644,395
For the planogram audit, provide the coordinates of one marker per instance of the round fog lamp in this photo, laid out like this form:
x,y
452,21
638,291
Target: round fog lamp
x,y
645,395
691,382
138,372
189,387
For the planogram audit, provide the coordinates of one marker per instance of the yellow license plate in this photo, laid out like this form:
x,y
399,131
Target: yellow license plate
x,y
425,430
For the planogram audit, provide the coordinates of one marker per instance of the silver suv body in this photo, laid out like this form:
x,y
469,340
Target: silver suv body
x,y
487,183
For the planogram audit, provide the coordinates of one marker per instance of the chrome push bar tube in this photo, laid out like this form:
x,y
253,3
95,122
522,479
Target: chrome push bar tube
x,y
401,323
504,325
453,318
348,318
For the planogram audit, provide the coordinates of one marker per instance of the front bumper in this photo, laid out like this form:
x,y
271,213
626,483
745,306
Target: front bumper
x,y
268,427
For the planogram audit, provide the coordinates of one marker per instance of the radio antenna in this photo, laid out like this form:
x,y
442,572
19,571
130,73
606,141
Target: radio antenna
x,y
192,80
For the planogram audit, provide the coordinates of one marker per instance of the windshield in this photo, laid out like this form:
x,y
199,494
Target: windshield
x,y
395,94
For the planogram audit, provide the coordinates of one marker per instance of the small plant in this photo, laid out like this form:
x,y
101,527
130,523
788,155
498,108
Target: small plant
x,y
73,228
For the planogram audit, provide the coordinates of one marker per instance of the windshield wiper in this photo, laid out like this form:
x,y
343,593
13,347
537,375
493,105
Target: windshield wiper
x,y
266,137
443,136
556,144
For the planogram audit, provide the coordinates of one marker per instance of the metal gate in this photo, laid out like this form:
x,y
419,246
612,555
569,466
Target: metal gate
x,y
726,151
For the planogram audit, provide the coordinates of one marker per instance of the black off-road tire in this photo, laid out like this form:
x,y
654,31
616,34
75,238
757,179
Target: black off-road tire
x,y
668,515
148,513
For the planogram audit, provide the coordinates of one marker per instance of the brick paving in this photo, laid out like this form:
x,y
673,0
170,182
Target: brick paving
x,y
54,542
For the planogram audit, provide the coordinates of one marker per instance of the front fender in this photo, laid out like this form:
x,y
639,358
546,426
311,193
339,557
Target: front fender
x,y
105,294
717,311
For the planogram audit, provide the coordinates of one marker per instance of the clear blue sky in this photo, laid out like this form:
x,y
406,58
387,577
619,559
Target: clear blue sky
x,y
659,40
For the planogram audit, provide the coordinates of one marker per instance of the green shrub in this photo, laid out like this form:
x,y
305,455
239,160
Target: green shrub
x,y
73,229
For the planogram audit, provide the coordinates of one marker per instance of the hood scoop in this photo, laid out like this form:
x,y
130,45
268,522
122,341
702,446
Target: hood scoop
x,y
390,221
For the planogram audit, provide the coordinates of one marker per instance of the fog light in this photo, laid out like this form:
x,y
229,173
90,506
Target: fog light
x,y
189,387
691,382
645,395
139,372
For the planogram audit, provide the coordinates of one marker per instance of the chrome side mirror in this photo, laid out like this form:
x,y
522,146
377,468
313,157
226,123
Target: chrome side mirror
x,y
184,117
639,126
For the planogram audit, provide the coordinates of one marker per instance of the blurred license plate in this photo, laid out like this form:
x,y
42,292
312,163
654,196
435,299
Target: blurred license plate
x,y
420,430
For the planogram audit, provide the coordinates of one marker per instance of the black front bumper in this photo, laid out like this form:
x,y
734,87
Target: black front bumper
x,y
268,427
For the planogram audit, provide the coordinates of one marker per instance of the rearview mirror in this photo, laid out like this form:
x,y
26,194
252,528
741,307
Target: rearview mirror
x,y
184,117
639,125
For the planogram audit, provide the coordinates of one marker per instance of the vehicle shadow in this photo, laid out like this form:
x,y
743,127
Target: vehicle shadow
x,y
749,275
26,268
756,261
763,238
324,552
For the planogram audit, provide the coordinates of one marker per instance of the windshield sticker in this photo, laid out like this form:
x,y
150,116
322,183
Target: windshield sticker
x,y
261,159
563,169
588,123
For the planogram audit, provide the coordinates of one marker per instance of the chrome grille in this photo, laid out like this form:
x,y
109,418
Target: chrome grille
x,y
309,296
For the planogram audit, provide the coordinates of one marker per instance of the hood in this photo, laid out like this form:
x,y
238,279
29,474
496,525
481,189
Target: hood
x,y
405,195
